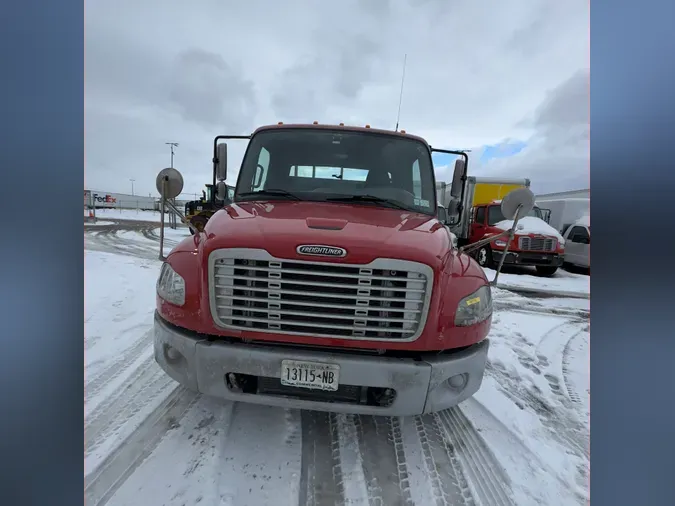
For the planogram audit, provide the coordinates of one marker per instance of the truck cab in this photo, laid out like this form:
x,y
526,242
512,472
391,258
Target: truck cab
x,y
578,243
534,243
328,283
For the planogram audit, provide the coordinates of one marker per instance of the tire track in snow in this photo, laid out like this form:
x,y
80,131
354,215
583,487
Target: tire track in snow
x,y
485,475
351,459
544,292
566,361
512,449
555,344
564,429
105,238
321,475
527,307
562,422
260,458
144,386
117,366
102,484
448,488
383,461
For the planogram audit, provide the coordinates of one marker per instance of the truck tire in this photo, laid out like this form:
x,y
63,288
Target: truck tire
x,y
545,270
484,257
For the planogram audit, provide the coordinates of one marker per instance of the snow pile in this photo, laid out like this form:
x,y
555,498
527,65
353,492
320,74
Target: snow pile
x,y
98,222
128,214
562,282
531,225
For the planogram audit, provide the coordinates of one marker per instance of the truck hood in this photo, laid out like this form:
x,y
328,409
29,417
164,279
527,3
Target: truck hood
x,y
365,231
530,225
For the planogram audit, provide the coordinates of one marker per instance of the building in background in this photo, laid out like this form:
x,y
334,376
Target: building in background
x,y
565,208
110,200
571,194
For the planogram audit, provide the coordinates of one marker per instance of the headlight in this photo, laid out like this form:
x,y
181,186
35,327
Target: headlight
x,y
500,243
474,308
171,286
561,243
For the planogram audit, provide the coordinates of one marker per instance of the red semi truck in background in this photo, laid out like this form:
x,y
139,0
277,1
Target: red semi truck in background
x,y
328,283
535,243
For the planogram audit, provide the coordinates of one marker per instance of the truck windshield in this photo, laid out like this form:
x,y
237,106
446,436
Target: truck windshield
x,y
327,165
495,214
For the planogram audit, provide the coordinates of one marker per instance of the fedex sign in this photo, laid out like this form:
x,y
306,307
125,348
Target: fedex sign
x,y
107,199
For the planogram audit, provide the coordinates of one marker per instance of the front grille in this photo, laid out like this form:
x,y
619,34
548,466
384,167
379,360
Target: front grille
x,y
384,300
536,244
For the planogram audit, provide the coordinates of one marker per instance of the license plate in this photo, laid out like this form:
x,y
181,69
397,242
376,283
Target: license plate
x,y
312,375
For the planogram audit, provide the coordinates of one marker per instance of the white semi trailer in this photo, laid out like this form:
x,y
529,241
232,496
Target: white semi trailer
x,y
565,211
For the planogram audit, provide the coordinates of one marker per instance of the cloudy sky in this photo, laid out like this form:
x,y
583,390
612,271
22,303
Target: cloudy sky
x,y
508,80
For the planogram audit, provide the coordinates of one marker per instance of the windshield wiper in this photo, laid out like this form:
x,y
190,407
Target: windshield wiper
x,y
272,192
369,198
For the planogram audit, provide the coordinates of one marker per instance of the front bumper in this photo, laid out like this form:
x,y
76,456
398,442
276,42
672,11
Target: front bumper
x,y
528,258
420,386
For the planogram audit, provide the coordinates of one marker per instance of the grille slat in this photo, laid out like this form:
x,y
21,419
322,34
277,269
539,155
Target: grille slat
x,y
315,315
302,293
317,273
537,244
385,300
313,283
320,304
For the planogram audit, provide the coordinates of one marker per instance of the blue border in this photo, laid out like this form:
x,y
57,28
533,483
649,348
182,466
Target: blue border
x,y
632,188
41,155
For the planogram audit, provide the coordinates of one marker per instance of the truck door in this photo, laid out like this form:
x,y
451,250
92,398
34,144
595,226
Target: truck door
x,y
477,229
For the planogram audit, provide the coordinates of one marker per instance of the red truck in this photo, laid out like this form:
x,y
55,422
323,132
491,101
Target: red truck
x,y
328,283
535,243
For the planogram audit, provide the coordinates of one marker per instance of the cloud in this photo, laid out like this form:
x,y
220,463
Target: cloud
x,y
557,155
208,91
485,79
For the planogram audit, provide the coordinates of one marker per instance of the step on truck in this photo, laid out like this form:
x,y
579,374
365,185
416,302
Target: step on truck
x,y
328,283
535,243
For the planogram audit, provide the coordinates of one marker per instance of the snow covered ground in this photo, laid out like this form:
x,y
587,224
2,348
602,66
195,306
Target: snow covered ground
x,y
127,214
525,279
522,440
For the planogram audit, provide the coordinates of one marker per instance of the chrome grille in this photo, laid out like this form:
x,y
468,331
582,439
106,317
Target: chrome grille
x,y
385,300
537,244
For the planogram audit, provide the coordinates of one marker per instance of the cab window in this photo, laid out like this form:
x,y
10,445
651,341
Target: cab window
x,y
580,235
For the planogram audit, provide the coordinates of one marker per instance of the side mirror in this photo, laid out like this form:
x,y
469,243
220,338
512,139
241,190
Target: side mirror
x,y
456,188
522,198
221,162
452,211
442,215
221,191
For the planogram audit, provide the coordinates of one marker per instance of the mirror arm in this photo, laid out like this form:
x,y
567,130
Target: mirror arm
x,y
506,249
483,242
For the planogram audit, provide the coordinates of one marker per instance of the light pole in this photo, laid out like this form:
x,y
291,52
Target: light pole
x,y
172,145
132,186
